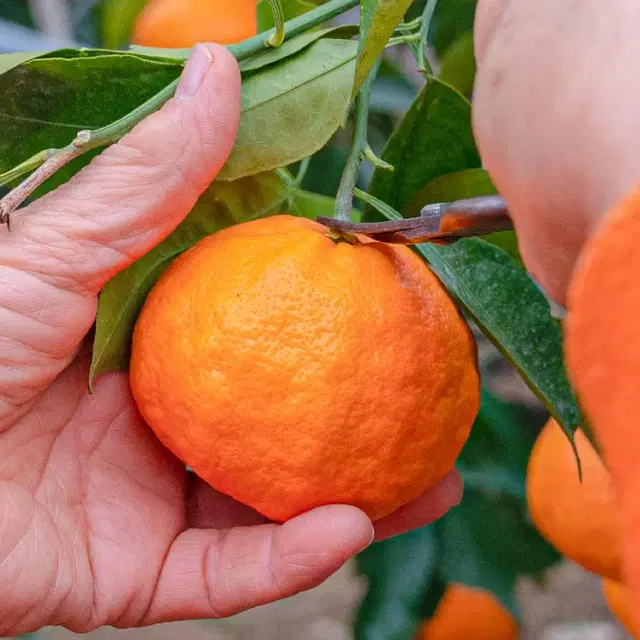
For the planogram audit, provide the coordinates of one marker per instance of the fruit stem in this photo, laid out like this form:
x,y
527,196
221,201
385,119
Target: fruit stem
x,y
344,199
46,163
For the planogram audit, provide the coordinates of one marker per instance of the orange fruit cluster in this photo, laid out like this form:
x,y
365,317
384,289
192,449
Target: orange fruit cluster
x,y
290,371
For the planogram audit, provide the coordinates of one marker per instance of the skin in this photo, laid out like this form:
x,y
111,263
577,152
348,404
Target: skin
x,y
555,118
100,524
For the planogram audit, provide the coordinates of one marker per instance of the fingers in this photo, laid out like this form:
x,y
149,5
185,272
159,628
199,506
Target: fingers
x,y
65,246
555,120
137,191
423,510
209,574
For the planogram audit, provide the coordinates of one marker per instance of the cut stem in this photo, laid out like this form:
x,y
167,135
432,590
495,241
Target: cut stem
x,y
48,162
277,37
344,198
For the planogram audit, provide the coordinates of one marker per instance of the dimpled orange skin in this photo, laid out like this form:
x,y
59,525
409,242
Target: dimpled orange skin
x,y
465,613
580,519
183,23
290,371
618,597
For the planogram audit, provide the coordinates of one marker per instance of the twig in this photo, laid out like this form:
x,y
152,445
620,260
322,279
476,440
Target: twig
x,y
427,15
48,162
344,198
277,37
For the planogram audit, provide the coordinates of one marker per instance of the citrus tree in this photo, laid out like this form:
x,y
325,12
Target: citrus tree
x,y
331,125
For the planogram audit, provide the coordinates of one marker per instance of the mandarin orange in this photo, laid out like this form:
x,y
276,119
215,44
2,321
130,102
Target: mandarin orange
x,y
183,23
466,613
292,371
579,518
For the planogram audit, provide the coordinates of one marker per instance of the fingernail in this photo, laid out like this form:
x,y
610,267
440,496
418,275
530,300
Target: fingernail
x,y
194,72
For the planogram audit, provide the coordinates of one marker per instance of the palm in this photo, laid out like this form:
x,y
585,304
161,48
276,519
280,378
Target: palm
x,y
92,504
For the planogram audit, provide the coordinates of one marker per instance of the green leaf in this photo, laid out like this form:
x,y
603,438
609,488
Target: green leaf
x,y
451,19
290,8
458,64
457,185
398,572
47,100
378,20
222,205
434,138
291,109
118,19
495,457
514,314
469,183
293,46
311,205
16,11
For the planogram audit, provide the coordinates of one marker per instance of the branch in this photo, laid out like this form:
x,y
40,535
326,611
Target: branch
x,y
86,140
344,198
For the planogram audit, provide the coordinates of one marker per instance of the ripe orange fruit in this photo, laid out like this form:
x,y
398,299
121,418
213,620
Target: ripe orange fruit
x,y
618,597
290,371
183,23
466,613
603,357
578,518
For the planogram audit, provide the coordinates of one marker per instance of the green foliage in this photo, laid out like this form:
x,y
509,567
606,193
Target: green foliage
x,y
290,9
378,19
458,64
16,11
277,126
485,542
451,19
397,572
118,19
433,138
73,90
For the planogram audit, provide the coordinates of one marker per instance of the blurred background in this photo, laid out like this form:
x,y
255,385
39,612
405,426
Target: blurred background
x,y
490,540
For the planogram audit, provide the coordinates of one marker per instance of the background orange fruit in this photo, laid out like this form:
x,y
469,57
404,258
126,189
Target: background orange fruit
x,y
578,518
183,23
618,597
290,371
466,613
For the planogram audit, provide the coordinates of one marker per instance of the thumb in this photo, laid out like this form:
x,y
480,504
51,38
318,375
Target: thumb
x,y
66,245
137,191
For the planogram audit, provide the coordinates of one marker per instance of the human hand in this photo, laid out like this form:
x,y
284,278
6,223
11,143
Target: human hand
x,y
555,116
101,524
